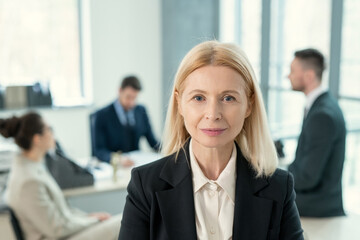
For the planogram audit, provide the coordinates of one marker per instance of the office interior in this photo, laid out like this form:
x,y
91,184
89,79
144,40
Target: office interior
x,y
79,51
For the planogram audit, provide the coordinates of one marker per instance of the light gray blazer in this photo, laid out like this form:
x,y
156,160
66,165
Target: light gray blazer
x,y
39,204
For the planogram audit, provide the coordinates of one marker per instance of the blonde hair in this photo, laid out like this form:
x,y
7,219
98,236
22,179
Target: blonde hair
x,y
254,140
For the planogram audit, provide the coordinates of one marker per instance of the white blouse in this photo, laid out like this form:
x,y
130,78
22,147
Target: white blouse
x,y
214,200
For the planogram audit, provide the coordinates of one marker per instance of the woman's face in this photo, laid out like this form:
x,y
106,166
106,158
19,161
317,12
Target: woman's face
x,y
214,105
47,140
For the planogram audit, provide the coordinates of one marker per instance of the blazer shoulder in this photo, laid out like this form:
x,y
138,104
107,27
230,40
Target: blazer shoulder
x,y
151,169
326,118
147,177
280,177
105,109
280,185
327,104
105,112
26,171
140,108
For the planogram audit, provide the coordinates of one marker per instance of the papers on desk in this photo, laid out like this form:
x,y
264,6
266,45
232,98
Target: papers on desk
x,y
8,150
6,160
103,171
7,145
141,158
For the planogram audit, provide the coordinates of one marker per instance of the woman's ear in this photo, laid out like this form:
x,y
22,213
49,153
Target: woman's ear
x,y
178,101
36,139
251,101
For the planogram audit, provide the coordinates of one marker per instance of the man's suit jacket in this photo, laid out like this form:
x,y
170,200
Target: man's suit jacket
x,y
111,136
319,160
160,203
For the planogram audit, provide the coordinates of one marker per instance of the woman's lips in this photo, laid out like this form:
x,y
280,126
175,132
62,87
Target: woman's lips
x,y
213,131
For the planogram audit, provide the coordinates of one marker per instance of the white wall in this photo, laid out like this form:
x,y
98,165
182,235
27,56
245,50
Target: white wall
x,y
126,36
125,39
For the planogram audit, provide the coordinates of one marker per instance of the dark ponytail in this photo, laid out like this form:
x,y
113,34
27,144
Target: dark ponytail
x,y
22,129
9,127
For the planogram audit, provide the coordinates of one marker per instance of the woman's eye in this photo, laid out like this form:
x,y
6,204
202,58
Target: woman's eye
x,y
198,98
229,98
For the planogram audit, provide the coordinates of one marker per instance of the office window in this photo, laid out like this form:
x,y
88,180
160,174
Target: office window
x,y
350,59
240,22
349,91
40,42
350,65
294,26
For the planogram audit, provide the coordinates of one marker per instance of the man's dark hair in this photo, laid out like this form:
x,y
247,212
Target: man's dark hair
x,y
313,59
131,81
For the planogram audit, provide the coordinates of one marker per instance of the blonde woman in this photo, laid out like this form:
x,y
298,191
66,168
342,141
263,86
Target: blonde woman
x,y
35,197
219,178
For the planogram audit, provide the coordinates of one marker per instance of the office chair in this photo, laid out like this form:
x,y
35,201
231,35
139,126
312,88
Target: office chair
x,y
16,225
92,132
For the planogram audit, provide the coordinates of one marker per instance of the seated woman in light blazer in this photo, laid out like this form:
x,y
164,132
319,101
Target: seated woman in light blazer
x,y
219,178
35,197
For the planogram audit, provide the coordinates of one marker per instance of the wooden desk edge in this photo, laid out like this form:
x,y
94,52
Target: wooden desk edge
x,y
105,185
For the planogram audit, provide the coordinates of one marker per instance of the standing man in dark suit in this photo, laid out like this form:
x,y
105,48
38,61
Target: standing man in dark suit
x,y
320,154
120,125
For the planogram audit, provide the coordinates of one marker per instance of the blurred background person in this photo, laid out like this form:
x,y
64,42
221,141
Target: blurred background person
x,y
120,125
33,194
320,152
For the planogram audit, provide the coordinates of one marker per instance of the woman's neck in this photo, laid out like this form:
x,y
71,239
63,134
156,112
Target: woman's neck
x,y
34,155
212,161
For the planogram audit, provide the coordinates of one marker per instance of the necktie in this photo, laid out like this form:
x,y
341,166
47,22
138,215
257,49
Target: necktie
x,y
127,118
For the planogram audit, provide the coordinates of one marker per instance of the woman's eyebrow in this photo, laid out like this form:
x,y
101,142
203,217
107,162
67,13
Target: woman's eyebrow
x,y
223,92
196,91
231,92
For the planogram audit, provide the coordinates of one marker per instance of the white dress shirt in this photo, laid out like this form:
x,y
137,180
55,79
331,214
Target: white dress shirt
x,y
214,200
125,117
312,96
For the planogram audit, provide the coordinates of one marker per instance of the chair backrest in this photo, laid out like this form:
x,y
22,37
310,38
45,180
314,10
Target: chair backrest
x,y
92,132
16,225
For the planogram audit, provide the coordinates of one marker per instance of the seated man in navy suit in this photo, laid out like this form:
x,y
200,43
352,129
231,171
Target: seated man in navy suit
x,y
120,125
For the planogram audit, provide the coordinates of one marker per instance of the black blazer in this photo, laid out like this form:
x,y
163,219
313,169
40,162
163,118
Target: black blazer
x,y
111,136
319,160
160,203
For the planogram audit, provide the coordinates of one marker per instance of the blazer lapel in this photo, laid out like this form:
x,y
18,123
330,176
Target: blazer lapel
x,y
177,204
116,121
252,212
315,105
251,215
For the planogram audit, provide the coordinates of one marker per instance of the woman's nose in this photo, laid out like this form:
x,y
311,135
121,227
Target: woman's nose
x,y
213,111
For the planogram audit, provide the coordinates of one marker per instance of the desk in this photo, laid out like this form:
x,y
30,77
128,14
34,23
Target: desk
x,y
7,152
107,195
334,228
102,185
